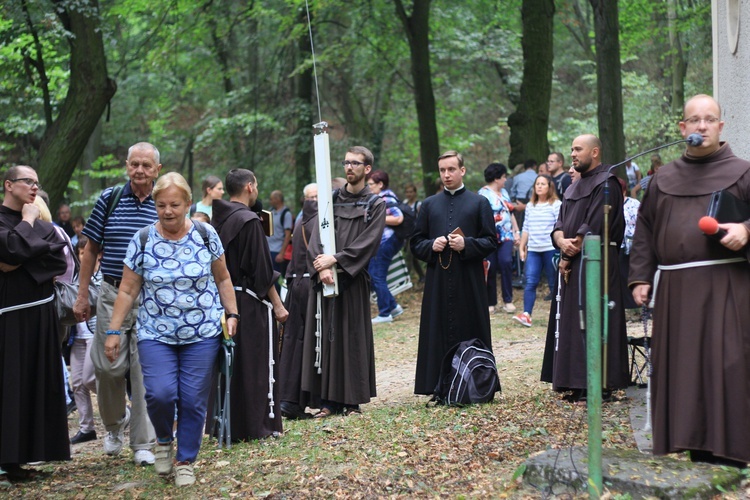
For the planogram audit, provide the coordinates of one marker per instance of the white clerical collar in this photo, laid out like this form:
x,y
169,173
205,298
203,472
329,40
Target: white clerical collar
x,y
454,191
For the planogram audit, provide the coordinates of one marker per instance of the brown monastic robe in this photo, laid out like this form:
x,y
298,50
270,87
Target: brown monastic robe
x,y
347,345
249,265
33,422
582,213
701,328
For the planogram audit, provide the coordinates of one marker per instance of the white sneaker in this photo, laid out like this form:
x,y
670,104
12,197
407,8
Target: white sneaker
x,y
509,307
382,319
163,463
397,311
143,457
113,440
183,474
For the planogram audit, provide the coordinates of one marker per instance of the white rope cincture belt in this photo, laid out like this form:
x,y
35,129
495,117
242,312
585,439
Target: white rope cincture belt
x,y
27,305
271,362
688,265
306,275
318,329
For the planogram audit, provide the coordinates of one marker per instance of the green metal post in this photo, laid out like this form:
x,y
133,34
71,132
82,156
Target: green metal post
x,y
592,261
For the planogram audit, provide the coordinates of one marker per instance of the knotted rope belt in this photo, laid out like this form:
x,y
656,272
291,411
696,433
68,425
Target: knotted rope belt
x,y
271,362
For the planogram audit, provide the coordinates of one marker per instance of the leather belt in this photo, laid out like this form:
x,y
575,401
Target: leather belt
x,y
112,281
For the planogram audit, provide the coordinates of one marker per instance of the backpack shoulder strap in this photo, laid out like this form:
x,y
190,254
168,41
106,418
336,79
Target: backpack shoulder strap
x,y
114,199
201,228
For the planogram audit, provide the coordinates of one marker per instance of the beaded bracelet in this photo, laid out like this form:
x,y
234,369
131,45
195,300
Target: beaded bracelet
x,y
113,332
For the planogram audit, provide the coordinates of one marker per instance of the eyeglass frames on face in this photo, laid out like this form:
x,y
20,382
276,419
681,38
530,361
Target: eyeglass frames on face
x,y
354,164
28,181
695,120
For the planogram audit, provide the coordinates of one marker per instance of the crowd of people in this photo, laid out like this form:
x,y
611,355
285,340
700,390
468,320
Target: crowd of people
x,y
170,270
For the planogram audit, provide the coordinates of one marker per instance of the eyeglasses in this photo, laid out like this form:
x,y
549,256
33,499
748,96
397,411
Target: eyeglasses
x,y
694,120
354,164
28,181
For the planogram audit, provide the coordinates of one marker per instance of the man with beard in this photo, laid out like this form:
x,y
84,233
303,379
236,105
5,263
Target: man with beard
x,y
33,426
455,232
252,393
582,213
701,380
343,375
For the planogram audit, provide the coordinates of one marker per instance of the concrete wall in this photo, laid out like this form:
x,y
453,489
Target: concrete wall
x,y
731,54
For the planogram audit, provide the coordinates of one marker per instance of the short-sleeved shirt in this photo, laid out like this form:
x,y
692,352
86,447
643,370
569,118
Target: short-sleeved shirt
x,y
539,222
501,206
280,224
179,298
128,217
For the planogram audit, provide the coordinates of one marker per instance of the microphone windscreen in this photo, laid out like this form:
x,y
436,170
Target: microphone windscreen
x,y
708,225
694,140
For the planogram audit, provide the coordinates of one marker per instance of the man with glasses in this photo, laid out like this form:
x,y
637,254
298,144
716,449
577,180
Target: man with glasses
x,y
556,167
701,377
33,422
109,229
345,377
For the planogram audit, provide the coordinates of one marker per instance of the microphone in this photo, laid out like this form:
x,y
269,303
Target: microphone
x,y
710,228
693,140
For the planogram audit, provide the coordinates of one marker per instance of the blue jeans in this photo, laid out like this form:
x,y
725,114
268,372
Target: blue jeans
x,y
501,261
179,375
535,262
378,269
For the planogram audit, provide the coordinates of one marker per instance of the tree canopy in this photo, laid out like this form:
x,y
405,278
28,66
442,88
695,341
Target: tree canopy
x,y
218,84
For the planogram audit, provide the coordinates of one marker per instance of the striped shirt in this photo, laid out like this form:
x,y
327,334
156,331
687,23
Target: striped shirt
x,y
129,216
539,221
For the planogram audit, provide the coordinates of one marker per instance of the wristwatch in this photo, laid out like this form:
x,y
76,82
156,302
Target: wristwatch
x,y
233,315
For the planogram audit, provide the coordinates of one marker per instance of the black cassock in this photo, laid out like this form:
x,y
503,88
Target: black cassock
x,y
455,305
33,421
582,213
249,264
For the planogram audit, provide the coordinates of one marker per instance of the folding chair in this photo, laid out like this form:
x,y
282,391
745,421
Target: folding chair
x,y
222,427
639,349
398,277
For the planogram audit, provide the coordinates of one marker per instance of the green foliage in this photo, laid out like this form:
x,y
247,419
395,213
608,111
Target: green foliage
x,y
222,75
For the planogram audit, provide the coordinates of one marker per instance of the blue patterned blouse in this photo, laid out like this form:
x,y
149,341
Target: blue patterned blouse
x,y
179,298
501,207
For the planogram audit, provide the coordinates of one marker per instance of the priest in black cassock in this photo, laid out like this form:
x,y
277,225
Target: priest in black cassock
x,y
33,421
455,232
253,393
582,213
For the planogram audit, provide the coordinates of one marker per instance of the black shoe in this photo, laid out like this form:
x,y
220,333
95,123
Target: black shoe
x,y
292,411
548,297
72,407
83,437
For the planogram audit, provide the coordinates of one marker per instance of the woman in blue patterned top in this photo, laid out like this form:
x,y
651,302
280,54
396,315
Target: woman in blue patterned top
x,y
501,261
181,276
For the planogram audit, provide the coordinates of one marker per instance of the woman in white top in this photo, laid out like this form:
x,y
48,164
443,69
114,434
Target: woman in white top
x,y
536,247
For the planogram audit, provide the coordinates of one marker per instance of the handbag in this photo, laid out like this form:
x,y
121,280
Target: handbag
x,y
66,294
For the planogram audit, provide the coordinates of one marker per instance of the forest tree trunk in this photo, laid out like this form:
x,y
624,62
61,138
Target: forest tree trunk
x,y
609,80
529,123
417,27
88,94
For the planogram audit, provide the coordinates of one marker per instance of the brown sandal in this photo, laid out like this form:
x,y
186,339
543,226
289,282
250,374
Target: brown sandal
x,y
323,413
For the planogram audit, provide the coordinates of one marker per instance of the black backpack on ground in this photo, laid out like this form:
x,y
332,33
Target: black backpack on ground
x,y
406,228
468,375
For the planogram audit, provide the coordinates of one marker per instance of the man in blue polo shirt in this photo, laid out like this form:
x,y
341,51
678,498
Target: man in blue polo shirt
x,y
111,234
